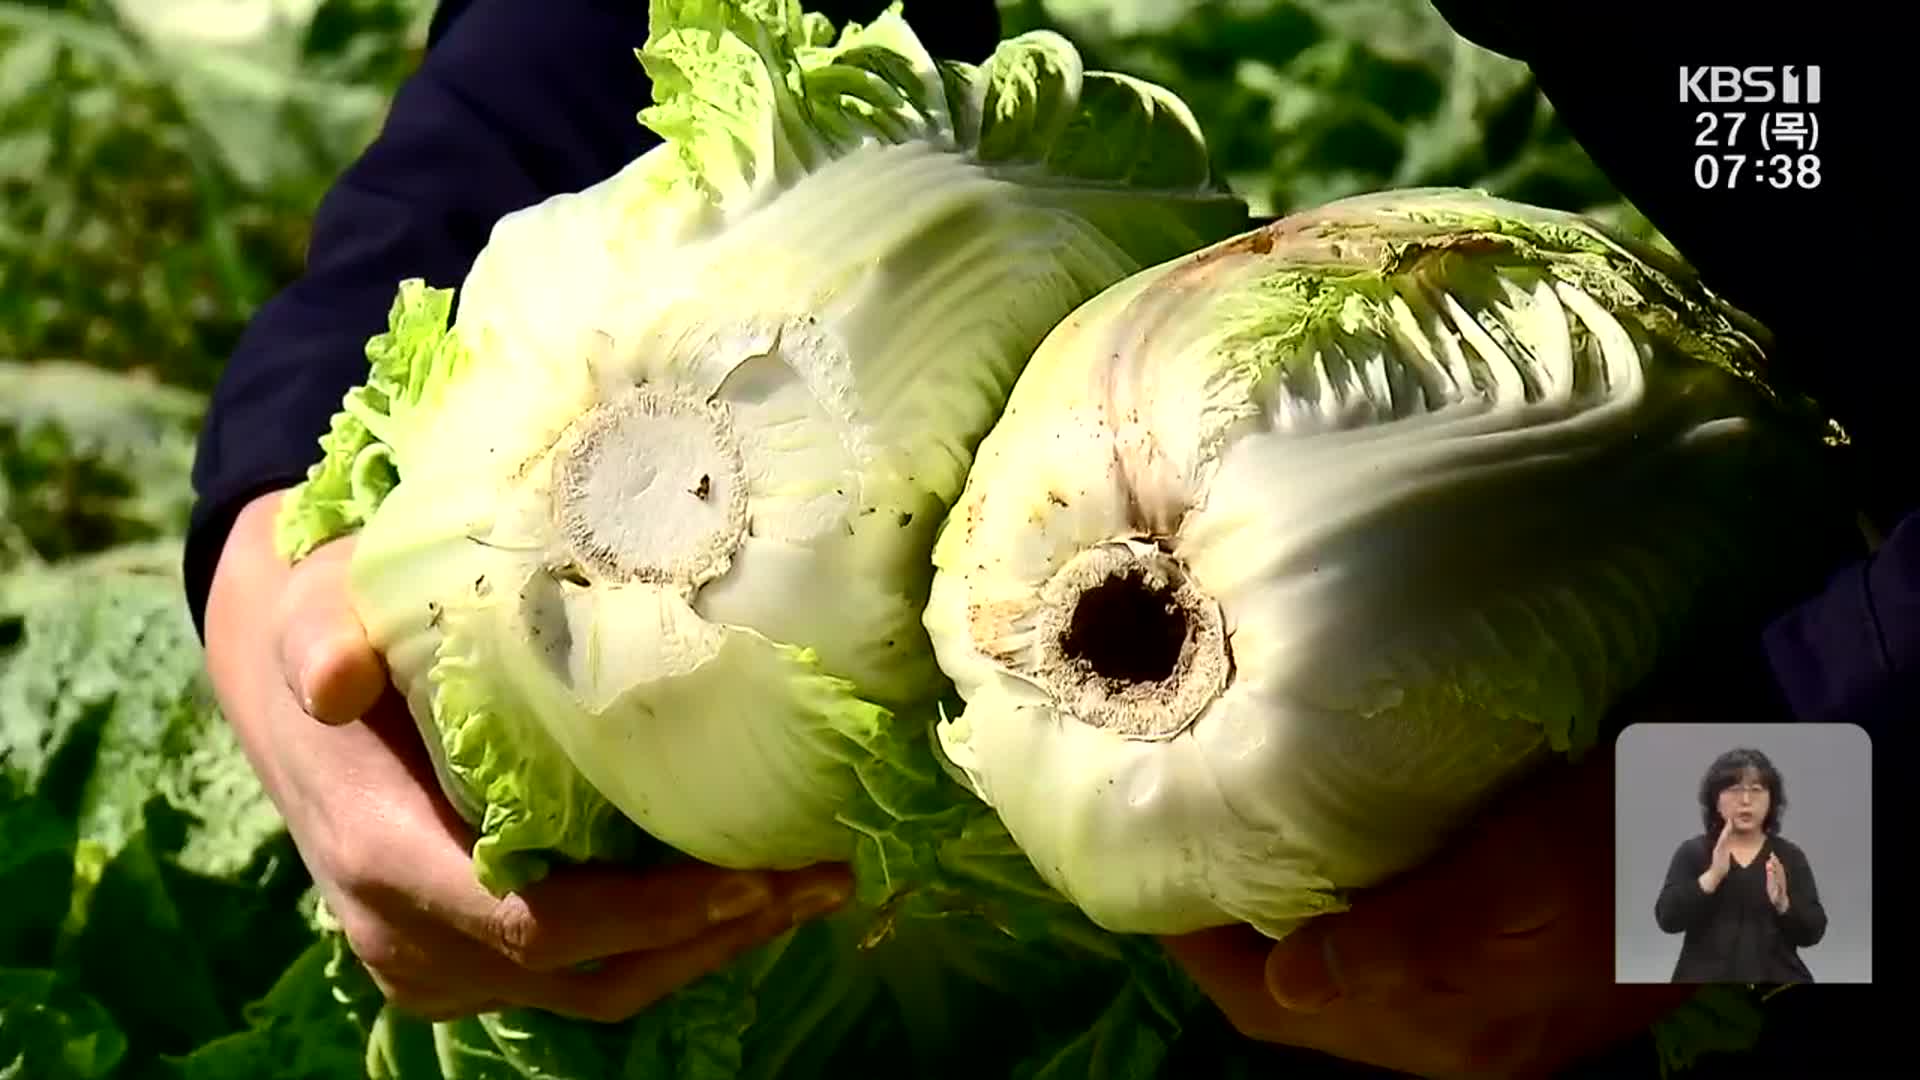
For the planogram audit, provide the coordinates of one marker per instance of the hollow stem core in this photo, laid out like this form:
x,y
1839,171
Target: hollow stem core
x,y
1129,643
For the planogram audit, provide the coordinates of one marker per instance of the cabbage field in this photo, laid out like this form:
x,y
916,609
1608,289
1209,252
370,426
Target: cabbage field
x,y
160,159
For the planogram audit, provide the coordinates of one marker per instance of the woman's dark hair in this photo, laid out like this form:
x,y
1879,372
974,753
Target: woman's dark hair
x,y
1725,772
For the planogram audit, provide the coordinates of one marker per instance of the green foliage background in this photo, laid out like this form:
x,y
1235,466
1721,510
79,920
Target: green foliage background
x,y
159,160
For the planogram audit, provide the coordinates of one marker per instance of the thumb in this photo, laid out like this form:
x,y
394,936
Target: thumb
x,y
328,664
1505,880
1228,964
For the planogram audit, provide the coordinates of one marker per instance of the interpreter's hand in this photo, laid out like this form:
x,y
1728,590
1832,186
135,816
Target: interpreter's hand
x,y
1720,861
344,763
1777,883
1495,959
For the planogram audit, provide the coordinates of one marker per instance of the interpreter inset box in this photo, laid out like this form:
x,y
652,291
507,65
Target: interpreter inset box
x,y
1743,854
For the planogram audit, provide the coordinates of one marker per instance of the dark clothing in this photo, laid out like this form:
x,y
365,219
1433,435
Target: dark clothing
x,y
1733,934
1851,650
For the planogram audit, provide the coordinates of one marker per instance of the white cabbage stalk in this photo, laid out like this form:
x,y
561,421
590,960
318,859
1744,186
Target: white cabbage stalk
x,y
1286,555
658,547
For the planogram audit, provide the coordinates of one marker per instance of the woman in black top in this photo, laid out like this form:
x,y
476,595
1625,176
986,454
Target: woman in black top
x,y
1743,894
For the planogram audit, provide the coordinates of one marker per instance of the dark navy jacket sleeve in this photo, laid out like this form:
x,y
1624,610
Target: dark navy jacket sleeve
x,y
1850,651
514,102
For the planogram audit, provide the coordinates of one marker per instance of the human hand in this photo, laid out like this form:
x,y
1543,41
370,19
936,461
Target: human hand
x,y
1720,861
342,760
1493,959
1777,883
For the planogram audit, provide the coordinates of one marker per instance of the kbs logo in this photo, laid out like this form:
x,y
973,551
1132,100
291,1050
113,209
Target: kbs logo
x,y
1788,84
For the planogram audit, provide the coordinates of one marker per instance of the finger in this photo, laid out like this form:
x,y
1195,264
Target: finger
x,y
325,658
1303,973
1228,964
575,914
1502,889
425,875
1470,1037
434,1004
628,984
1448,1035
432,970
591,913
464,972
454,982
434,973
428,969
1422,1035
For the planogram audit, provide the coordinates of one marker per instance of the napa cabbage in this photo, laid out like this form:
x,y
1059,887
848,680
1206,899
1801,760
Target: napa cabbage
x,y
1287,555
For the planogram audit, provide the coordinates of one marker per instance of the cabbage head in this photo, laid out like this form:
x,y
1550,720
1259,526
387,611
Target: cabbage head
x,y
1287,554
643,533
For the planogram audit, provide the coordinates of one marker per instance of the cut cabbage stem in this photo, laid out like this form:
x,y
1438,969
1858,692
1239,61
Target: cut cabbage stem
x,y
645,530
649,486
1130,641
